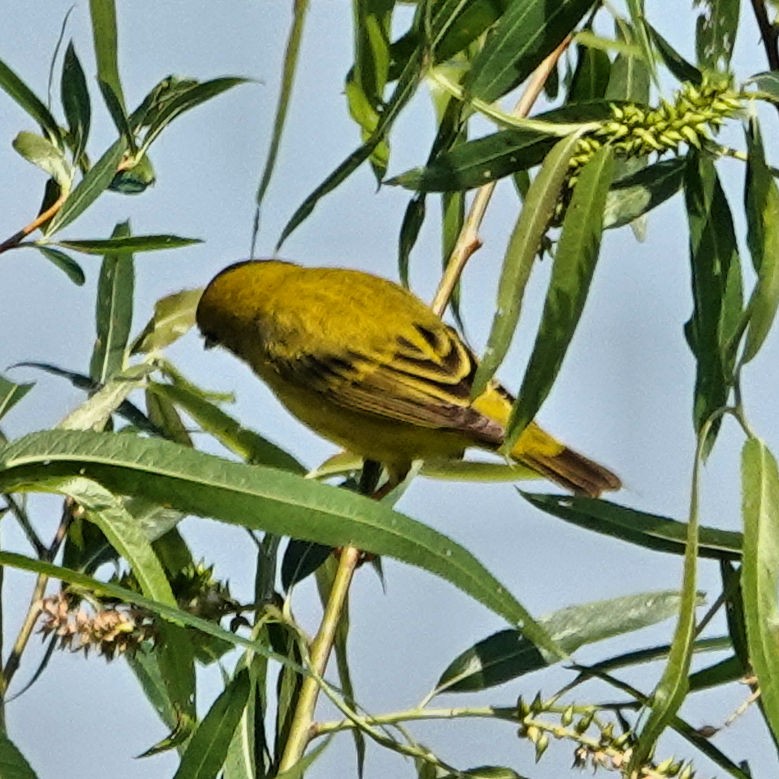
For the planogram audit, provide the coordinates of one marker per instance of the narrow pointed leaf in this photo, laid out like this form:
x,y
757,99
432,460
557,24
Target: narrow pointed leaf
x,y
257,498
26,99
715,33
117,112
11,393
105,40
507,654
187,100
680,68
527,32
638,193
574,265
762,207
13,764
300,11
114,310
524,243
714,261
94,183
64,262
75,100
652,531
207,749
767,85
591,77
129,243
240,440
760,572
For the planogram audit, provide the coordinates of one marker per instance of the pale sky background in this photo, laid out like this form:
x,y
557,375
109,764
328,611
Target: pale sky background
x,y
623,396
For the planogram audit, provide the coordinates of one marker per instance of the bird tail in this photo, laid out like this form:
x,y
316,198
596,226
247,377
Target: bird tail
x,y
546,455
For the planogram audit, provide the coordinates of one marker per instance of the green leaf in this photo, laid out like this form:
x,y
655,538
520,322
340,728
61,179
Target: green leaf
x,y
118,114
680,68
104,36
129,243
207,749
12,762
715,33
291,54
257,498
572,271
507,654
761,197
26,99
628,80
524,243
89,188
174,315
113,310
767,85
165,416
404,90
760,571
637,527
64,262
716,271
457,24
75,101
638,193
183,101
527,32
301,559
11,393
247,755
122,531
592,74
247,444
46,156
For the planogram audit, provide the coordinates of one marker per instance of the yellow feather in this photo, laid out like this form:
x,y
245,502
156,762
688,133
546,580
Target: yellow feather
x,y
368,365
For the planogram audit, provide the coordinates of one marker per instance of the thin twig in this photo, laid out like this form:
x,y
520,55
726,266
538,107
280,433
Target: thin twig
x,y
17,238
300,729
468,242
25,631
768,33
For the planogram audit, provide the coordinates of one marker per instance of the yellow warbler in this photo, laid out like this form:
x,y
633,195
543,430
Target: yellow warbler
x,y
365,363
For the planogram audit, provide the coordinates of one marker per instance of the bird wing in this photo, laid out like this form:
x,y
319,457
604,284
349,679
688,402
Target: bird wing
x,y
421,377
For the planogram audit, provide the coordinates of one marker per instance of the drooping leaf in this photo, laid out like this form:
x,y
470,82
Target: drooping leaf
x,y
257,498
527,32
27,100
64,262
524,243
574,265
652,531
11,393
767,85
128,243
207,749
638,193
13,764
761,196
760,496
591,76
301,559
716,274
715,33
300,11
113,310
680,68
506,655
75,101
105,39
240,440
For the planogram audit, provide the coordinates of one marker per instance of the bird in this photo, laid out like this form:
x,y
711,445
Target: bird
x,y
366,364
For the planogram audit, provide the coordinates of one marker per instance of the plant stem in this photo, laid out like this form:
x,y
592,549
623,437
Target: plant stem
x,y
300,730
468,242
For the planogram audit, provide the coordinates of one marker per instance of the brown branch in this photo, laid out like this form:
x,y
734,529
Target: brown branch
x,y
768,33
468,241
42,218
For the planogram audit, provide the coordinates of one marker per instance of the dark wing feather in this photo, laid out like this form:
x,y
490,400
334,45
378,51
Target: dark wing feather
x,y
425,381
